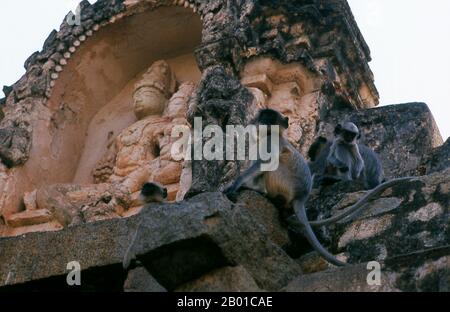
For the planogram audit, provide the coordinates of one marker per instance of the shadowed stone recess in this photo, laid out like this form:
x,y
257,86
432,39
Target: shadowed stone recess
x,y
175,243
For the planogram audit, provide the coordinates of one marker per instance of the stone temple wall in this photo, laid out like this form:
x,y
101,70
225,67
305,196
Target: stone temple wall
x,y
90,122
76,94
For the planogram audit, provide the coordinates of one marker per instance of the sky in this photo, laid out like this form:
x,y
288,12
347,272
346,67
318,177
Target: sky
x,y
409,42
410,47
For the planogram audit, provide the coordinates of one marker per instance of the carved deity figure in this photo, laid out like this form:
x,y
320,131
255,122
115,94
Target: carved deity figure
x,y
143,150
140,153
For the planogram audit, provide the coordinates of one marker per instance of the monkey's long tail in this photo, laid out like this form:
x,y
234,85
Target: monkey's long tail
x,y
360,204
300,211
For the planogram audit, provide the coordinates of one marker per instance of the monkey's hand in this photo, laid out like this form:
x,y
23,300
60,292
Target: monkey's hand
x,y
357,169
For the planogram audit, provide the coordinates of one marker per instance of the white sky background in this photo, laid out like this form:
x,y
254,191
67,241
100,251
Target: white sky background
x,y
410,46
409,41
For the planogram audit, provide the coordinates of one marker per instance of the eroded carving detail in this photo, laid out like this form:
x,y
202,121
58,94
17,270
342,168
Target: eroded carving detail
x,y
140,153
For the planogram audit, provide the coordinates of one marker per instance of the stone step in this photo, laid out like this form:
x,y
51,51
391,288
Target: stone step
x,y
43,227
422,270
29,217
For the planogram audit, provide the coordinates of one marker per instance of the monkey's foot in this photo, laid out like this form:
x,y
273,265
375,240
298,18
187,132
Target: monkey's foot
x,y
294,224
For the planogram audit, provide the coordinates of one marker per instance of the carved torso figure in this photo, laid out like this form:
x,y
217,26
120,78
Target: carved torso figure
x,y
137,145
140,153
143,150
172,173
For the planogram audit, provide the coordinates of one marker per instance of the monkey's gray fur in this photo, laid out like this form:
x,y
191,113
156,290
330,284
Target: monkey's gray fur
x,y
344,153
291,181
372,176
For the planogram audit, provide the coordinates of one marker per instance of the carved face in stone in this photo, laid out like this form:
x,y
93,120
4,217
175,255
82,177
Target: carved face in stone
x,y
153,90
148,101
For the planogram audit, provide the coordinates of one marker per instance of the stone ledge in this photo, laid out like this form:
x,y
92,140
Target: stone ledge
x,y
425,270
31,217
208,236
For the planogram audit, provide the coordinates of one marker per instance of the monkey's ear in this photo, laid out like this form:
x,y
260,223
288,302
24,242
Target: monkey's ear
x,y
359,136
286,122
338,129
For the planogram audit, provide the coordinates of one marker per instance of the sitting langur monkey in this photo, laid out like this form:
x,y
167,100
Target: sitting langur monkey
x,y
291,181
337,154
152,192
325,157
344,153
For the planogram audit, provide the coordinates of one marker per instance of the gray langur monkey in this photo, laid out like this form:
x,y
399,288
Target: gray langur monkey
x,y
372,174
291,181
325,173
344,152
152,192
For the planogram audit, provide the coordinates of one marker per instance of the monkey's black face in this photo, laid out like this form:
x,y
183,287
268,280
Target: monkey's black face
x,y
348,136
270,117
322,140
151,189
